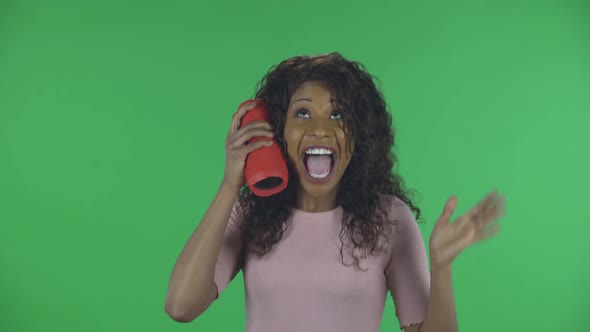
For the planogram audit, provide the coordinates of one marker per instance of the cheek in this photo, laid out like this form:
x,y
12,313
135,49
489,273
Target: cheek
x,y
290,141
342,141
292,151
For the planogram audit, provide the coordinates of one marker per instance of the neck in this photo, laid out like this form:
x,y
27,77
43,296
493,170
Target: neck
x,y
316,203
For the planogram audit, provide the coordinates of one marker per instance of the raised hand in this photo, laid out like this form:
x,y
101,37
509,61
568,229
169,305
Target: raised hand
x,y
236,149
449,239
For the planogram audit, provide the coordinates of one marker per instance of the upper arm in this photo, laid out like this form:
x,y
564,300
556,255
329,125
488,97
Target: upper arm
x,y
228,259
408,277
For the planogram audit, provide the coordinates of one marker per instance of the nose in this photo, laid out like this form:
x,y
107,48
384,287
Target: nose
x,y
320,128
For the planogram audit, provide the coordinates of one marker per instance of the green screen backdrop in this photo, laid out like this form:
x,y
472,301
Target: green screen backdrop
x,y
113,116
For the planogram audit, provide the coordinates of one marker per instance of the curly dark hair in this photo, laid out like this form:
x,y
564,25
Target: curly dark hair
x,y
369,174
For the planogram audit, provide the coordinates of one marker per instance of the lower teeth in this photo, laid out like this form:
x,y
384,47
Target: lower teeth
x,y
321,176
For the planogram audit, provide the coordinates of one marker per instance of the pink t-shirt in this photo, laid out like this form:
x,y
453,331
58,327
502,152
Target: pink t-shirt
x,y
301,285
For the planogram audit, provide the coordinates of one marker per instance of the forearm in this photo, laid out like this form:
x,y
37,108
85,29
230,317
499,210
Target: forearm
x,y
190,288
441,315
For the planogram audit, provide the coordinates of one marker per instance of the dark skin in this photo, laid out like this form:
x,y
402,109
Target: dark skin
x,y
312,120
192,289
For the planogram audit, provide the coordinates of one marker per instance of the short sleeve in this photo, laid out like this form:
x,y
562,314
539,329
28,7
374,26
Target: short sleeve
x,y
408,277
228,260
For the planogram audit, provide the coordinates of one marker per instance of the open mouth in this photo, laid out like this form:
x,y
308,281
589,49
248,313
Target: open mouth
x,y
319,162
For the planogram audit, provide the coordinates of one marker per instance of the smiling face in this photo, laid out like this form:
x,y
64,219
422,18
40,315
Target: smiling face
x,y
316,145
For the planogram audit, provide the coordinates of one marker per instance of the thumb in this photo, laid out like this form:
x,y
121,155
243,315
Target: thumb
x,y
448,210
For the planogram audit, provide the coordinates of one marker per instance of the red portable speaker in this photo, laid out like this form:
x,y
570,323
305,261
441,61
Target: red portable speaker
x,y
266,170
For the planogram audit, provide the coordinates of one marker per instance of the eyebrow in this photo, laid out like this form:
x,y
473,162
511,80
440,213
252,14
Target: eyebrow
x,y
308,99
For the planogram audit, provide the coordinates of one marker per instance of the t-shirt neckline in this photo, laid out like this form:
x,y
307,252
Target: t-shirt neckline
x,y
317,214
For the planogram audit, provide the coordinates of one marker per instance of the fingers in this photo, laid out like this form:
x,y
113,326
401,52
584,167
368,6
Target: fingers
x,y
255,146
448,210
495,209
478,209
249,131
241,152
488,232
492,211
486,222
237,117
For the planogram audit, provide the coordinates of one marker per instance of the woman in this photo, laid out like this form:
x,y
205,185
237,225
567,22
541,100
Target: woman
x,y
322,254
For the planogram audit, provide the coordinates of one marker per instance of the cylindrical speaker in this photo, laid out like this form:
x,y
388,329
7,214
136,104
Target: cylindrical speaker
x,y
266,170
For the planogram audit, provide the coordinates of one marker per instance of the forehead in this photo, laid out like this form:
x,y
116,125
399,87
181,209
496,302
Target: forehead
x,y
316,91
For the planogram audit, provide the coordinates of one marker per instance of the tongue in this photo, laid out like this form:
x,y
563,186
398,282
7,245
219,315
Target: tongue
x,y
319,164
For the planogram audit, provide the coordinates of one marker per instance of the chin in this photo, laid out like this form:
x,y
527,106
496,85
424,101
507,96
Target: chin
x,y
317,188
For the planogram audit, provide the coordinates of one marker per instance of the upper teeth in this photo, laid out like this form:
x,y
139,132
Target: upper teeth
x,y
318,151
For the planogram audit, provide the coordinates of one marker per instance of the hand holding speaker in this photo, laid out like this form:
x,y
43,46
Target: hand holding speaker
x,y
236,147
252,154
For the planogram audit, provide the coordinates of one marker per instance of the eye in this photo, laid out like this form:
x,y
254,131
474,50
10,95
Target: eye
x,y
302,113
336,115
